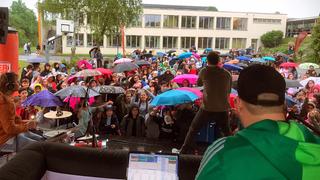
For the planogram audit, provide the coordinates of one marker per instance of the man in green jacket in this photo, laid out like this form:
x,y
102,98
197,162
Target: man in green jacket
x,y
269,147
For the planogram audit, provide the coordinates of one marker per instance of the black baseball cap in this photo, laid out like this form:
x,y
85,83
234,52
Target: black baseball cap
x,y
261,85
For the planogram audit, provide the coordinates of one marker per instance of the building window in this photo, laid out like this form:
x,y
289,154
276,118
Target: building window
x,y
152,21
222,43
266,21
240,24
89,18
187,42
188,21
136,22
152,42
223,23
206,22
113,41
91,41
239,43
170,21
169,42
204,42
133,41
79,40
254,44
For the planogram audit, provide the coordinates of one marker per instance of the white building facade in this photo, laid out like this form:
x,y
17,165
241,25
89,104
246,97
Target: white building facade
x,y
165,27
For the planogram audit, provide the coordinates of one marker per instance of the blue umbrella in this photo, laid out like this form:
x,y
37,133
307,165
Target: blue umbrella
x,y
37,59
290,101
43,99
233,91
208,49
268,58
174,97
243,58
185,55
161,54
232,67
258,60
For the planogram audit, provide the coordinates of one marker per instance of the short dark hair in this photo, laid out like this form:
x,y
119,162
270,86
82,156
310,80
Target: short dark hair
x,y
213,58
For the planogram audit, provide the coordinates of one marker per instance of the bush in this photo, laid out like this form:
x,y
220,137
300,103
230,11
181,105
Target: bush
x,y
272,39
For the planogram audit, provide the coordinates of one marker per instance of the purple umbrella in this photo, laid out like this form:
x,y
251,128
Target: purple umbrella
x,y
43,99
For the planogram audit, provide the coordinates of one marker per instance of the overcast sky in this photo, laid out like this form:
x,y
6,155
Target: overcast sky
x,y
294,8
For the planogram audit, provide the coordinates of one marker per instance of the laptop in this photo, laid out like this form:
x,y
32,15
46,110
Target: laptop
x,y
146,166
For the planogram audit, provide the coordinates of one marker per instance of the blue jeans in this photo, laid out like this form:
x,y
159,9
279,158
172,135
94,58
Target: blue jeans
x,y
20,141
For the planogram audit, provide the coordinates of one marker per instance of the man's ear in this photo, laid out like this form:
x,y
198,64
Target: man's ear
x,y
237,103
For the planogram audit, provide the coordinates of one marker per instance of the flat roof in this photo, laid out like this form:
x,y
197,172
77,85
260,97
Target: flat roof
x,y
301,19
194,8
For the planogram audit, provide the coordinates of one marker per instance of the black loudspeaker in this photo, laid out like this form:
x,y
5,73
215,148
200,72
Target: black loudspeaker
x,y
10,81
4,23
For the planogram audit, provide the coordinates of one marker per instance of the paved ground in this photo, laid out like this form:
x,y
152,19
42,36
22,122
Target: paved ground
x,y
52,58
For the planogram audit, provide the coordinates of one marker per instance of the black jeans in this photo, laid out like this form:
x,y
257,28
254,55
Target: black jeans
x,y
200,120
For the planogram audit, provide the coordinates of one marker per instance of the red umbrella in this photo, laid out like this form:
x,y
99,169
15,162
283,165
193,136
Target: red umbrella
x,y
288,65
106,72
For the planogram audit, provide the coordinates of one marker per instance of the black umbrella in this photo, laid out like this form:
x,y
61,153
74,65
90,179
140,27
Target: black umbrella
x,y
225,55
147,55
171,51
292,83
142,63
92,50
125,67
173,61
203,55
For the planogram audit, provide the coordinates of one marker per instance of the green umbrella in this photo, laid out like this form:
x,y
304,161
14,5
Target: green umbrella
x,y
307,65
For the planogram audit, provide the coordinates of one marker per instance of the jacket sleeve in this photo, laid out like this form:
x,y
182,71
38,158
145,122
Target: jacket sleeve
x,y
123,125
199,81
8,119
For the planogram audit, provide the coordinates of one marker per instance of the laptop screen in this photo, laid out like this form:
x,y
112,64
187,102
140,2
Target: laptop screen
x,y
152,167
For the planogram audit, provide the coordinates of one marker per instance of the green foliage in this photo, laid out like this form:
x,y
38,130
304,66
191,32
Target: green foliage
x,y
272,39
24,21
108,16
315,43
212,8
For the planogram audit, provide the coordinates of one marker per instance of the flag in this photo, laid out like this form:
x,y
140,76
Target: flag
x,y
299,40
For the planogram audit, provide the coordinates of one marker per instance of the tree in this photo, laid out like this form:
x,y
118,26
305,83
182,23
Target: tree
x,y
24,21
315,42
272,39
107,17
67,9
212,8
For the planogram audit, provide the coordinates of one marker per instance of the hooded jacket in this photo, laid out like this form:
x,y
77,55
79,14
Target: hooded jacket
x,y
265,150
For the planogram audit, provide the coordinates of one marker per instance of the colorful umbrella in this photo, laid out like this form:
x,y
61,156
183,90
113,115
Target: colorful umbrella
x,y
88,73
190,77
315,79
76,91
43,99
174,97
268,58
84,64
106,72
185,55
307,65
196,55
36,59
122,60
109,89
195,91
288,65
119,68
232,67
161,54
142,63
259,60
243,58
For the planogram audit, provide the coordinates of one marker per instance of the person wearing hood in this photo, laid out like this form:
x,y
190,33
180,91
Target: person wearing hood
x,y
269,147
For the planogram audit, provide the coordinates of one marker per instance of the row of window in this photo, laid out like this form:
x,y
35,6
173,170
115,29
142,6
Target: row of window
x,y
168,42
266,21
190,22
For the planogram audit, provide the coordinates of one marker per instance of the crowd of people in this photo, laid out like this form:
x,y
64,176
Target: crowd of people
x,y
131,114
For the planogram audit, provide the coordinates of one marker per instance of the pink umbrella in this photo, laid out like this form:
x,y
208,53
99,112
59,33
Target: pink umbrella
x,y
122,60
193,90
288,65
196,55
84,64
76,100
190,77
71,79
